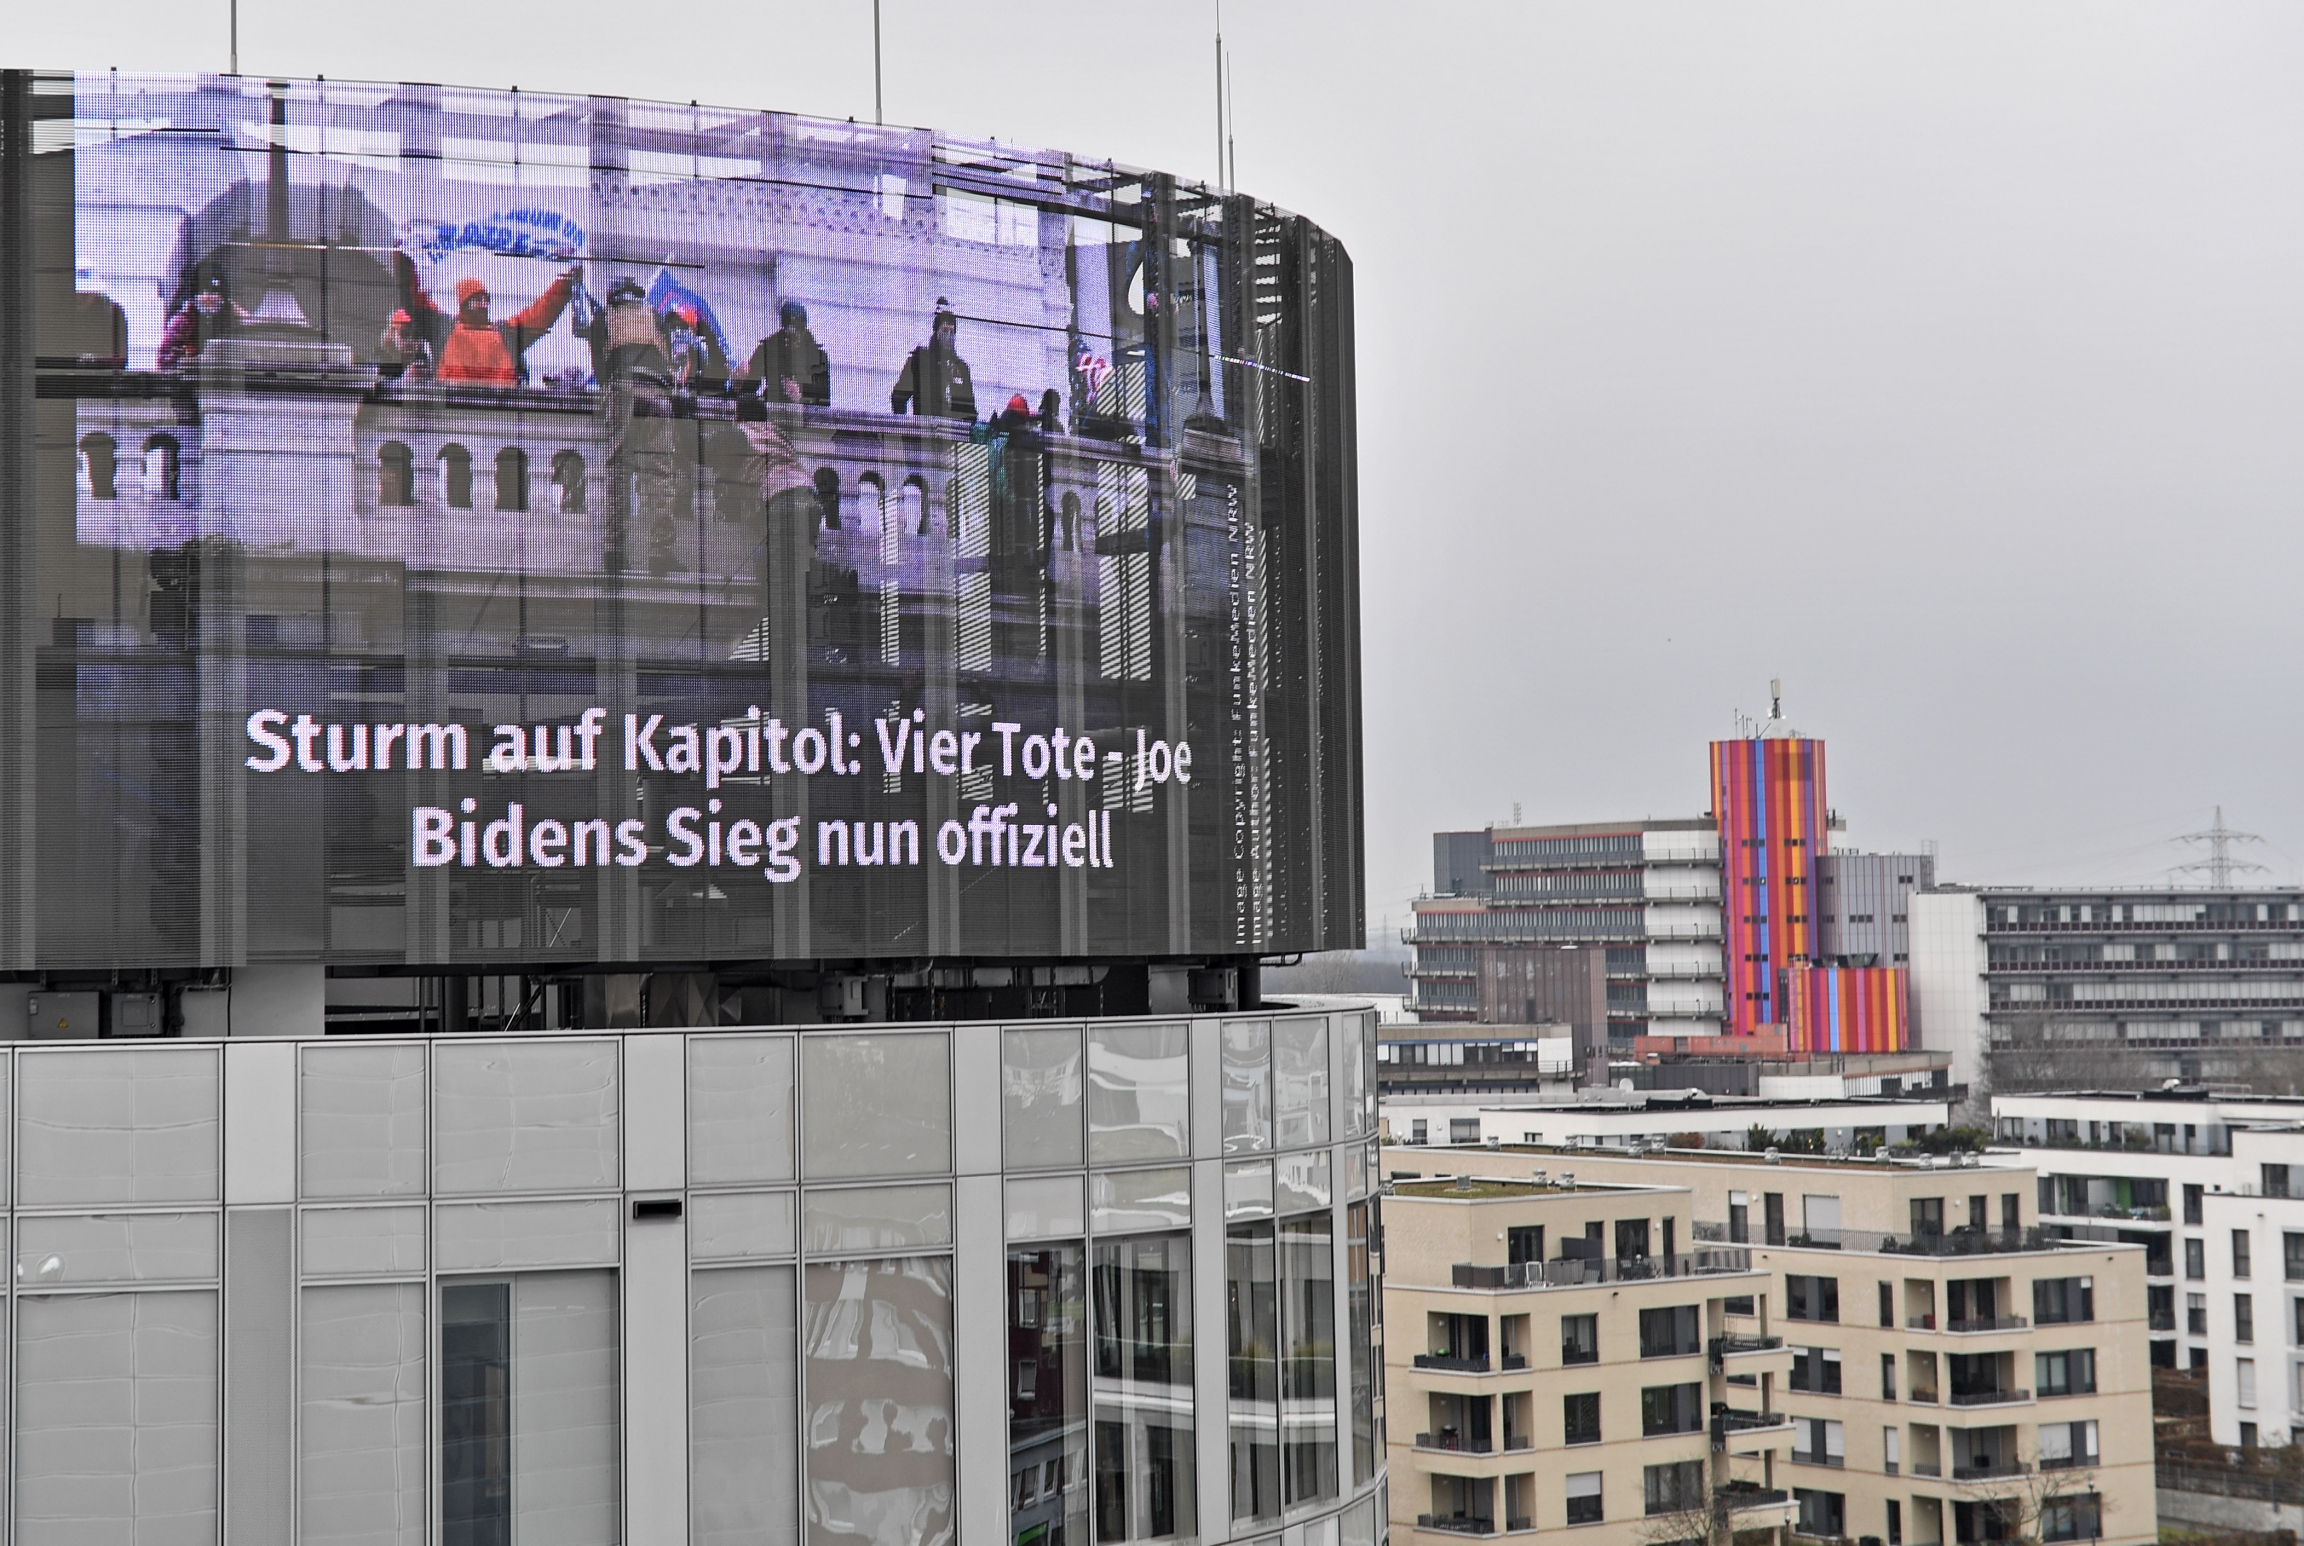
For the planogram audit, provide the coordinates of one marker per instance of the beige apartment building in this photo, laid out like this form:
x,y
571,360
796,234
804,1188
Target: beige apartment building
x,y
1705,1344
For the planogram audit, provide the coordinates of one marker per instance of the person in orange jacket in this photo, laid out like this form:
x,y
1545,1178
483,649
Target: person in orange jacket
x,y
474,348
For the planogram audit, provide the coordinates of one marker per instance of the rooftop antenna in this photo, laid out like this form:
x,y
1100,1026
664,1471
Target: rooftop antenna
x,y
2219,865
235,37
1220,92
877,117
1775,697
1232,172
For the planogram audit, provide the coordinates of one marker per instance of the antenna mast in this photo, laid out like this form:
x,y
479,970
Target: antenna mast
x,y
2220,866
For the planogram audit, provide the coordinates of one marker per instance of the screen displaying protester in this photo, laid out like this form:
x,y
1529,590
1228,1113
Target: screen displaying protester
x,y
466,526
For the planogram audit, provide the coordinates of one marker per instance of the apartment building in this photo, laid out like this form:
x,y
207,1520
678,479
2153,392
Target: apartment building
x,y
2044,989
1950,1371
1629,1119
1561,1356
2213,1187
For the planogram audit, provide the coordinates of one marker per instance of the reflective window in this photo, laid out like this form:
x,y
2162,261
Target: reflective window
x,y
117,1127
740,1103
1139,1093
1302,1181
1300,1080
1247,1086
1308,1369
1046,1208
877,1105
1042,1097
362,1120
1360,1305
743,1405
878,1344
878,1218
1132,1201
525,1117
1252,1342
1145,1487
1355,1059
530,1426
116,1430
360,1416
1248,1190
1048,1395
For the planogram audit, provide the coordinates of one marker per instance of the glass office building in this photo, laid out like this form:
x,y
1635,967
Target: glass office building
x,y
1041,1283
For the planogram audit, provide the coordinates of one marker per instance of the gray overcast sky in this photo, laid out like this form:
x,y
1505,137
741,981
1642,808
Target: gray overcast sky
x,y
1945,359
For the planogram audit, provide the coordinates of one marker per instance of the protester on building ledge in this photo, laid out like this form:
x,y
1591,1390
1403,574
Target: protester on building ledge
x,y
789,366
935,382
211,314
474,348
400,352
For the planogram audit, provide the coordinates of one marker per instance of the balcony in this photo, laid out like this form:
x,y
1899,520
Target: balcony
x,y
1807,1457
1724,1348
1513,1361
2069,1462
1455,1443
1456,1524
1449,1363
1989,1397
1729,1424
1987,1323
1992,1472
1518,1522
1739,1496
1518,1441
1576,1272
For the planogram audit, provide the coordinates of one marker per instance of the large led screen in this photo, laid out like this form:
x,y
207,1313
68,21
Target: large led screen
x,y
458,526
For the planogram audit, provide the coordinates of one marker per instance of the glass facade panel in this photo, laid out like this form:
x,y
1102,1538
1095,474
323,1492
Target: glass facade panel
x,y
878,1345
1139,1093
1360,1307
54,1250
1047,1395
97,1128
743,1408
1125,1202
729,1226
363,1242
362,1121
525,1117
878,1218
1046,1208
1308,1367
877,1105
740,1109
1248,1190
1247,1086
1043,1097
1302,1181
487,1236
1355,1065
1300,1078
360,1430
1145,1487
116,1428
1252,1342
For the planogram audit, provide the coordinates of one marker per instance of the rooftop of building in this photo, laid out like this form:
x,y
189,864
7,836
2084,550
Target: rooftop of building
x,y
1518,1189
1773,1158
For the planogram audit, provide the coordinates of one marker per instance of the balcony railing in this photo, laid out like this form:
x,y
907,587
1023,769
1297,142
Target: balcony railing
x,y
1952,1242
1990,1473
1456,1524
1742,1495
1988,1323
2068,1462
1729,1423
1514,1441
1512,1361
1449,1363
1455,1441
1575,1272
1809,1457
1989,1397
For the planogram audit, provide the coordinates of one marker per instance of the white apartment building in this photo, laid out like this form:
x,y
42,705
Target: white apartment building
x,y
2202,1181
1619,1120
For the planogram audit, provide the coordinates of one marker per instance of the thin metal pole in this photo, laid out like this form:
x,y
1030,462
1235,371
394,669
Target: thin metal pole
x,y
1231,121
1219,93
876,108
235,37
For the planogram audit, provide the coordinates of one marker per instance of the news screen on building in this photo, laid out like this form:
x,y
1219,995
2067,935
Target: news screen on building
x,y
449,526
